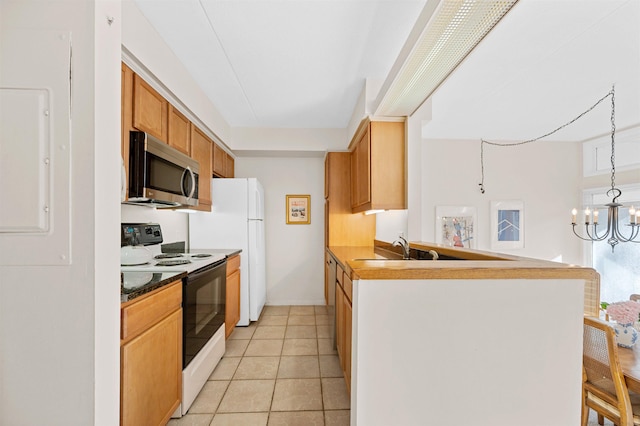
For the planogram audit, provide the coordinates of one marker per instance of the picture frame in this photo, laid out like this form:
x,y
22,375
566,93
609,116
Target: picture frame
x,y
455,226
298,209
507,224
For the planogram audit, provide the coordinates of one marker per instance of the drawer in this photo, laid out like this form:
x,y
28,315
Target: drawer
x,y
233,263
142,314
348,287
340,275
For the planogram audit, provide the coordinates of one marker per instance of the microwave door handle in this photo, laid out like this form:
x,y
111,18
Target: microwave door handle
x,y
193,182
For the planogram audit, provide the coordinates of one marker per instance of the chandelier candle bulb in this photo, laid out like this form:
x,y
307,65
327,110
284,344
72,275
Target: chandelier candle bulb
x,y
595,217
574,213
632,215
587,216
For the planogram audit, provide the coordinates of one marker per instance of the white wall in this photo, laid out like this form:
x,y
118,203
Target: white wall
x,y
390,224
544,175
59,325
295,253
425,355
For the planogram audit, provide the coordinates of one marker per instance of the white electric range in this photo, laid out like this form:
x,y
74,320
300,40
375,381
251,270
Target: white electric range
x,y
203,302
177,262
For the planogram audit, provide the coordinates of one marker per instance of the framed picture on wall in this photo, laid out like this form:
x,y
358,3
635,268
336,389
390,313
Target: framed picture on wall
x,y
298,209
455,226
507,225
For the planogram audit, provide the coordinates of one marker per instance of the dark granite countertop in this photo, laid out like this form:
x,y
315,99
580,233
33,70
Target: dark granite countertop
x,y
138,283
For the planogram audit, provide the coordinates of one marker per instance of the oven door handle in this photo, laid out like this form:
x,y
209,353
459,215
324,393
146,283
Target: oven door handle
x,y
206,270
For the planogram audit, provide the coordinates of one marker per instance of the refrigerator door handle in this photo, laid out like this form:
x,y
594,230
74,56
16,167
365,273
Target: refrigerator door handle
x,y
258,204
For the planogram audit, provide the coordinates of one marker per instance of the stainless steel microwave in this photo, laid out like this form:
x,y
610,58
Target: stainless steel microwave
x,y
159,174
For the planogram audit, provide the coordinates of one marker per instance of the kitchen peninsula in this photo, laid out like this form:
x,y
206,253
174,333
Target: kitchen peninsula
x,y
487,337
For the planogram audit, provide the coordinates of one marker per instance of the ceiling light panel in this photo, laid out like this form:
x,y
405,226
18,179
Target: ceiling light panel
x,y
454,29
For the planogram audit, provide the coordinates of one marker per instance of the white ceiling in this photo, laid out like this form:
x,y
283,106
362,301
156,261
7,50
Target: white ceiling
x,y
284,63
303,63
546,62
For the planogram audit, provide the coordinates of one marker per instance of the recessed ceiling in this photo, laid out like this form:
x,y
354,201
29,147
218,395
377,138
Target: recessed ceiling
x,y
284,63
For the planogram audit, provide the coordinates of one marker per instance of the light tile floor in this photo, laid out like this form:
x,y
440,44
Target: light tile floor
x,y
279,371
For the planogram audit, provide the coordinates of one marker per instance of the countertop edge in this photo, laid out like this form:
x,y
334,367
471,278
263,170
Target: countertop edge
x,y
135,295
494,265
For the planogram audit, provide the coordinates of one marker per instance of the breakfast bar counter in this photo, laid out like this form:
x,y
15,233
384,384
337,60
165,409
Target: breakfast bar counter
x,y
485,335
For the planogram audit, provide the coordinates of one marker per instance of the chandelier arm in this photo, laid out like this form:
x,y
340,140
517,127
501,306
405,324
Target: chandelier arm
x,y
589,236
578,235
595,236
631,237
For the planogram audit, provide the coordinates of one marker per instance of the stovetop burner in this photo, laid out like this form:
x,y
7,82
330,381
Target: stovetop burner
x,y
173,262
167,255
201,255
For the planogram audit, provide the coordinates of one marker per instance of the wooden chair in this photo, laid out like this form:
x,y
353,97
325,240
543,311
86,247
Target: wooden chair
x,y
604,389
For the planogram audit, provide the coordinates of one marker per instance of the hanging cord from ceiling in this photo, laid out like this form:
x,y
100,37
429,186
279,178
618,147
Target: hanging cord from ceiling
x,y
511,144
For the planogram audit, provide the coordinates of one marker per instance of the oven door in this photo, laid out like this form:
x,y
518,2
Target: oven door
x,y
203,303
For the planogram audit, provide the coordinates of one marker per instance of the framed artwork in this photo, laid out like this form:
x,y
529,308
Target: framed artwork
x,y
455,226
507,225
298,209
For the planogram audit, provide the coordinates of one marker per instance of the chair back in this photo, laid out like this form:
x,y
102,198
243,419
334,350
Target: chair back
x,y
602,373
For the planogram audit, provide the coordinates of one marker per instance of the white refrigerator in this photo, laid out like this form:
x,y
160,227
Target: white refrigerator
x,y
236,221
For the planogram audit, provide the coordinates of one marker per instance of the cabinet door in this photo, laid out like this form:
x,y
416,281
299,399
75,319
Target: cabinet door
x,y
340,324
126,111
201,152
150,109
361,171
219,161
347,342
230,166
326,176
179,131
232,309
151,374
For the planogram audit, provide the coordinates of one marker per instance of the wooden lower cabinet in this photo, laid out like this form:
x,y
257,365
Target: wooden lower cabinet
x,y
344,323
232,308
347,343
151,357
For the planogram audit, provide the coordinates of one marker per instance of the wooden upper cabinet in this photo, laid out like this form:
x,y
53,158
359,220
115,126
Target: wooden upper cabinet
x,y
126,111
219,161
361,171
230,167
179,131
342,228
150,109
201,147
378,166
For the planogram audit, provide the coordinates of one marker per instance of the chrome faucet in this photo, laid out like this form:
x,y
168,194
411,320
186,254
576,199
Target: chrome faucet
x,y
402,242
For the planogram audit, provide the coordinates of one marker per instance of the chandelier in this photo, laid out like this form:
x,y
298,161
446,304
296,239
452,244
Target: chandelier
x,y
613,234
